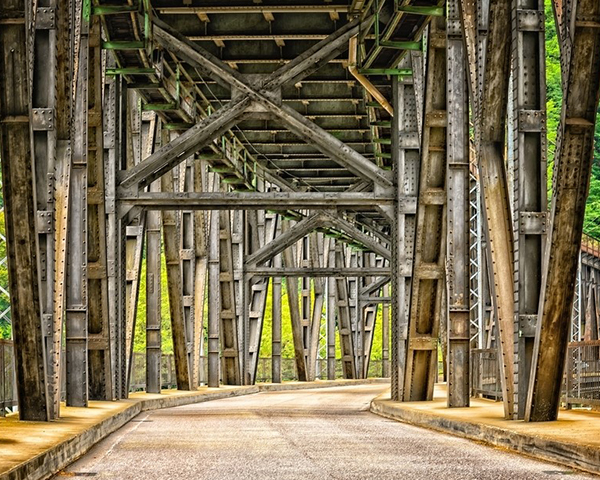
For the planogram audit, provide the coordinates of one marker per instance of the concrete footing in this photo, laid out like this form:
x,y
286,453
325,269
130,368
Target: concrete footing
x,y
573,440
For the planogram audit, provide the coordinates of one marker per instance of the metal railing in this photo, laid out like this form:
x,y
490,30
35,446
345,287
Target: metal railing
x,y
485,373
582,374
8,393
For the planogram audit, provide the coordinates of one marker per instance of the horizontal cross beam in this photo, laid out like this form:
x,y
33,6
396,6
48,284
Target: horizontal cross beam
x,y
316,272
255,201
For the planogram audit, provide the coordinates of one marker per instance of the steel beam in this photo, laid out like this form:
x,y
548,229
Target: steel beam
x,y
331,308
573,162
490,136
214,301
258,200
76,292
43,104
172,258
406,161
530,184
258,290
153,298
266,98
291,286
457,242
200,271
21,211
276,322
187,257
228,317
344,318
430,243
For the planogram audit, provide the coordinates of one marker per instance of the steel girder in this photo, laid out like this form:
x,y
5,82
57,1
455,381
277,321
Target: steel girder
x,y
406,161
153,298
344,318
99,361
458,187
246,94
573,161
43,105
171,239
530,186
291,286
276,319
430,242
19,186
76,291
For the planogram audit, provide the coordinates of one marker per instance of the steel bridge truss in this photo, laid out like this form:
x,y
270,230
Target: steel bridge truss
x,y
138,154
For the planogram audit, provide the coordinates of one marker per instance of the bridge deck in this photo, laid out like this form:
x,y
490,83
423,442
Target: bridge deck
x,y
292,434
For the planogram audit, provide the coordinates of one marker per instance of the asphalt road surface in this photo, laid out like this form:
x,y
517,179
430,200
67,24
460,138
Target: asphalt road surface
x,y
306,434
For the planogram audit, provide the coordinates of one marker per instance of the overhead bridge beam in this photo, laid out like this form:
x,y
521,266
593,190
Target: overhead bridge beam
x,y
264,96
255,201
317,272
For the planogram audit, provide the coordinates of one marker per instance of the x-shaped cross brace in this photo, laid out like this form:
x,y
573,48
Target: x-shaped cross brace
x,y
245,95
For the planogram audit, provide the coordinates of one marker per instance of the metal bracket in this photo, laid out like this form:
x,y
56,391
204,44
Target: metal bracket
x,y
45,18
42,119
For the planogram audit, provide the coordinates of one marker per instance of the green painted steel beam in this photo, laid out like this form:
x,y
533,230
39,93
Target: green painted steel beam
x,y
422,10
383,141
178,126
159,107
130,71
118,45
384,124
386,71
383,155
417,46
114,9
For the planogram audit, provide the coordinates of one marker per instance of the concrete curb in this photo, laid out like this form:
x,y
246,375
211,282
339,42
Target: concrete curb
x,y
569,454
51,461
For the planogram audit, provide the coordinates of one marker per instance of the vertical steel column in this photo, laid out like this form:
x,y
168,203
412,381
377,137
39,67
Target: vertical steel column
x,y
153,298
21,211
573,162
134,231
115,234
331,303
63,123
259,288
355,308
239,221
319,246
153,284
76,298
187,255
171,242
406,161
99,371
370,311
305,304
229,325
214,299
530,186
344,318
200,270
291,286
458,240
276,322
430,245
43,105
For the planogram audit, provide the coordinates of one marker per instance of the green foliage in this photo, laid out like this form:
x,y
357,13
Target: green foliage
x,y
591,224
139,341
